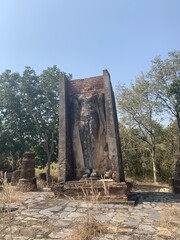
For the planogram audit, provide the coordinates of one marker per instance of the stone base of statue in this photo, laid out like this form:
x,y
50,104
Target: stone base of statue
x,y
174,186
88,189
27,185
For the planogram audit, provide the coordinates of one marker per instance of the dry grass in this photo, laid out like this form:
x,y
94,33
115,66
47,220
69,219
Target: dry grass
x,y
91,192
88,229
41,184
170,217
9,195
170,221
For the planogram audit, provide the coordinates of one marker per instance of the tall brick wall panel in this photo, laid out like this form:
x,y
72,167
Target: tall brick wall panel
x,y
87,86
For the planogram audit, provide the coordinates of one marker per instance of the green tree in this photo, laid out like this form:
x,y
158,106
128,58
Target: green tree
x,y
13,126
165,77
167,150
46,114
139,109
29,114
136,155
41,100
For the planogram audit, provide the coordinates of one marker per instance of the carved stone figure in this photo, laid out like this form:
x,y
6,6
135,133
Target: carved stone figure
x,y
90,115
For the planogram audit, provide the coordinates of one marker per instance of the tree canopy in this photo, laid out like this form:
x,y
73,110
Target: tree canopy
x,y
154,94
29,115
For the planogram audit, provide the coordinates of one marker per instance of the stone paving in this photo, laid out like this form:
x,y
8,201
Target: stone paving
x,y
41,216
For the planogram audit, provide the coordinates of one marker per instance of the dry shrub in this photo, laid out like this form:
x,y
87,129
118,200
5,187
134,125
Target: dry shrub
x,y
9,194
15,196
91,192
175,213
41,184
88,229
170,220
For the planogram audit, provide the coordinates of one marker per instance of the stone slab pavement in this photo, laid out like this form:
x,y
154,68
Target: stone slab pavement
x,y
42,216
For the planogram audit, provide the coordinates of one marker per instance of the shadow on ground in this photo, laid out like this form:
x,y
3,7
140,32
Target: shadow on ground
x,y
153,193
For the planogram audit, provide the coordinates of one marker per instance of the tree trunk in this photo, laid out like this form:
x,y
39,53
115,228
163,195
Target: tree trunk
x,y
154,164
48,172
49,153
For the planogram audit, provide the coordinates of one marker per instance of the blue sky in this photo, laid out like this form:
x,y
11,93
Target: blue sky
x,y
83,37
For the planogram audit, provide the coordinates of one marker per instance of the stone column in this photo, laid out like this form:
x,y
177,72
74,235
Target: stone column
x,y
27,181
64,152
113,139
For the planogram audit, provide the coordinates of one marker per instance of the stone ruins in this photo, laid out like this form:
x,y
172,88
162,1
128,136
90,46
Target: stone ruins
x,y
16,175
27,181
174,183
89,143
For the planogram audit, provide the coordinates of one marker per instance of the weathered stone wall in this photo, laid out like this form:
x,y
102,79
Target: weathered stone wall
x,y
65,146
113,139
89,143
87,86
